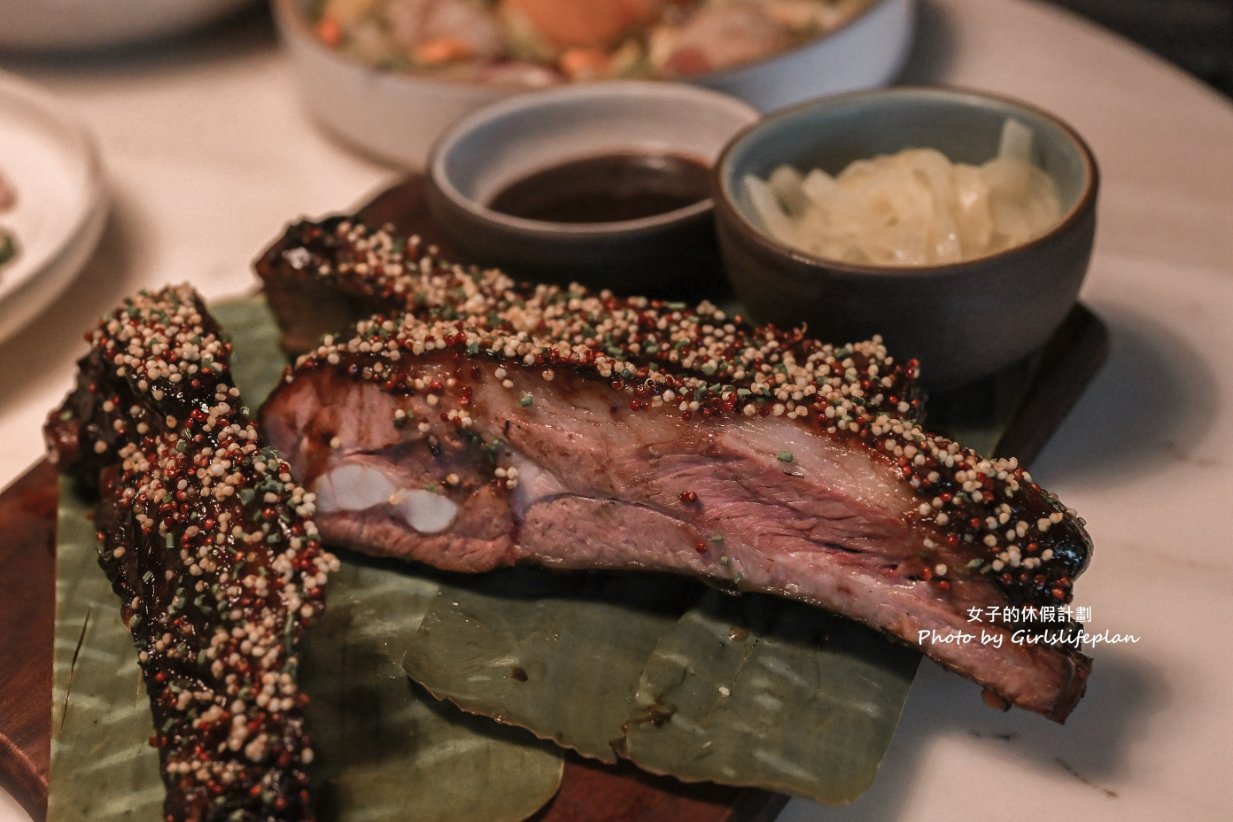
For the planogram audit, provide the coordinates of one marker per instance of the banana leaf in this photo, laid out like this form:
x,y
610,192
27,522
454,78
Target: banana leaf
x,y
102,766
758,691
666,673
676,677
679,680
385,750
555,653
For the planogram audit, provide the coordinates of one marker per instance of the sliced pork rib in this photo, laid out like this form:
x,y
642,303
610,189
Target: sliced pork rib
x,y
469,446
207,542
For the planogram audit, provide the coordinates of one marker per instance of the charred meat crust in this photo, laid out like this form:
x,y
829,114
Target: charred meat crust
x,y
561,451
322,277
207,542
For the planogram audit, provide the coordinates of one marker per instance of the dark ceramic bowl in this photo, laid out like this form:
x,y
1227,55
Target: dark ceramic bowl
x,y
494,147
962,321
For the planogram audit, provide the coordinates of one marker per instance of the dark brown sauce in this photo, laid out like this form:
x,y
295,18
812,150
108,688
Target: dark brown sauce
x,y
606,188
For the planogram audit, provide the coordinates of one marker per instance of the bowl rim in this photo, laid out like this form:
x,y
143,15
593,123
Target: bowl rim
x,y
725,200
452,137
291,17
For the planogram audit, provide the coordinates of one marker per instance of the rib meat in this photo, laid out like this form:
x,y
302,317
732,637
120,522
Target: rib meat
x,y
481,442
323,277
206,541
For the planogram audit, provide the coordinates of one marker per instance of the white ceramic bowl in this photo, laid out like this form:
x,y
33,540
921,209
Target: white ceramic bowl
x,y
496,146
395,116
59,25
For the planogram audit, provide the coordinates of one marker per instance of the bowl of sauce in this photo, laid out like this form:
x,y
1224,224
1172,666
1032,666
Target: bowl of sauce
x,y
607,188
605,184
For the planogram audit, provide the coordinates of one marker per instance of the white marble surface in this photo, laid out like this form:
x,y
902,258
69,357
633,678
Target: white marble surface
x,y
209,156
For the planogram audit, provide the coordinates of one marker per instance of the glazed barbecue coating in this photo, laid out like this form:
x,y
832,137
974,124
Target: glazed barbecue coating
x,y
208,543
470,445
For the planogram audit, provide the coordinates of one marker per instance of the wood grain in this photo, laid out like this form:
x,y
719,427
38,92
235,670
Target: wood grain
x,y
1067,363
600,793
27,614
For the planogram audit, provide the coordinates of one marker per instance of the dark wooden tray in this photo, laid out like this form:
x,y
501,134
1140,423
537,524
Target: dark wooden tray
x,y
1043,392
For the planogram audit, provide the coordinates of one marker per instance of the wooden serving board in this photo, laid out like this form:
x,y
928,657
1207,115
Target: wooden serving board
x,y
27,617
1043,392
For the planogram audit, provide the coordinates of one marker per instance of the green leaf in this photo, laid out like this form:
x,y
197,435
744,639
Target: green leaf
x,y
679,679
747,690
558,654
758,691
102,767
635,663
257,362
386,748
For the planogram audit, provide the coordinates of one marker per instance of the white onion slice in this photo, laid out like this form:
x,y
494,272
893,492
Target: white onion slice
x,y
915,207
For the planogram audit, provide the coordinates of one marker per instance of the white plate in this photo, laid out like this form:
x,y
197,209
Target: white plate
x,y
50,160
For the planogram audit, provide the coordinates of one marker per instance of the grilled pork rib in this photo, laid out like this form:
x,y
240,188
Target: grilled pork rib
x,y
471,445
206,540
323,277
